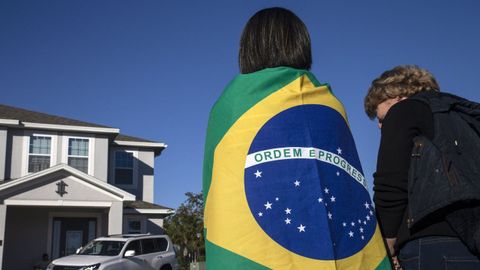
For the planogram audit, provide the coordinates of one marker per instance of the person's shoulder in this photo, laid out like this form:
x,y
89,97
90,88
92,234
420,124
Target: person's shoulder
x,y
410,104
407,112
409,107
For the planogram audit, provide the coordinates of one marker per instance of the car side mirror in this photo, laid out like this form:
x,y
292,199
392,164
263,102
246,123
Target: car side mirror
x,y
78,250
129,253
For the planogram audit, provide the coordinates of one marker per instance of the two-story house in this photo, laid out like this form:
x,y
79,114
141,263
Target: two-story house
x,y
64,182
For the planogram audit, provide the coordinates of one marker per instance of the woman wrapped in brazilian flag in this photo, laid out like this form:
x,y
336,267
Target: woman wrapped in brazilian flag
x,y
283,185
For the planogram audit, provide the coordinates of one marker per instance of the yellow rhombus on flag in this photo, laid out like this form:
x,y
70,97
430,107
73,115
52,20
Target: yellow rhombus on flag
x,y
283,184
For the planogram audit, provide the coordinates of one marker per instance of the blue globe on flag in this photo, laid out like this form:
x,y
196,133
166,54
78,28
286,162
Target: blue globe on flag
x,y
306,190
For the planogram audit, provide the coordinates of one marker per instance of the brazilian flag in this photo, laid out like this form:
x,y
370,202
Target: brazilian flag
x,y
283,184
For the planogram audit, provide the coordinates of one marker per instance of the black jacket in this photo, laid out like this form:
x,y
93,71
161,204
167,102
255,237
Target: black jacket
x,y
404,121
444,175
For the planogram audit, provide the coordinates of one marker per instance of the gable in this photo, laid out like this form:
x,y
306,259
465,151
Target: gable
x,y
60,184
74,190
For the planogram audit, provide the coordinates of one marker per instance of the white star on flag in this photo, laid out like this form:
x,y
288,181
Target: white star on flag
x,y
350,233
367,206
339,150
258,174
368,218
260,214
297,183
287,221
268,205
361,229
276,199
288,211
332,199
371,213
344,224
329,215
326,190
320,200
363,237
338,173
301,228
353,223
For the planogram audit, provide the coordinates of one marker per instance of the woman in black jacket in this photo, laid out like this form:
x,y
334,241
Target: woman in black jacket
x,y
432,243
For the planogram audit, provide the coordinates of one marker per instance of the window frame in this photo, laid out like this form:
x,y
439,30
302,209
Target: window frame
x,y
134,184
91,150
26,149
141,219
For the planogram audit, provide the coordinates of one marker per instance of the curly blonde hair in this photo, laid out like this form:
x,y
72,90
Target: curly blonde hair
x,y
401,81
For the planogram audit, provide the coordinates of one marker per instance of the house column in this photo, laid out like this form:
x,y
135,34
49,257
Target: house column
x,y
3,218
115,218
3,153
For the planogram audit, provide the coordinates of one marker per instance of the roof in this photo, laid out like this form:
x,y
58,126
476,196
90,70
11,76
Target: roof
x,y
13,116
123,137
143,207
9,112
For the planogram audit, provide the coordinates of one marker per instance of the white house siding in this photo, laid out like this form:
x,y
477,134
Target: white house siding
x,y
3,219
77,190
145,173
28,234
3,152
155,225
26,237
15,148
101,158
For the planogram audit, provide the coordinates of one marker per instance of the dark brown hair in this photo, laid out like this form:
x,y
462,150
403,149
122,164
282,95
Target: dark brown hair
x,y
274,37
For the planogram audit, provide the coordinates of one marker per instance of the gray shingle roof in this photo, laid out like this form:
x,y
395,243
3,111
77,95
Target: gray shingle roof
x,y
23,115
123,137
144,205
9,112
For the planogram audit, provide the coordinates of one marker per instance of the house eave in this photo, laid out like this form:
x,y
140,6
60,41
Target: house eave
x,y
149,211
32,125
141,144
9,122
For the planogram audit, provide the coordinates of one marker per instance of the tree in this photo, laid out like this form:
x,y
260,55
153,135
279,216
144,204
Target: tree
x,y
185,228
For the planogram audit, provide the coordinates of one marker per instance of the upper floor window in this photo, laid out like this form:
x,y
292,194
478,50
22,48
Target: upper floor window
x,y
124,168
39,153
78,153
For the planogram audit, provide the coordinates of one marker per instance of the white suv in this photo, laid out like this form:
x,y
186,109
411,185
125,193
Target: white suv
x,y
132,252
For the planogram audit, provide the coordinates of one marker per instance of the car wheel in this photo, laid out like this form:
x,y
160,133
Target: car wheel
x,y
166,267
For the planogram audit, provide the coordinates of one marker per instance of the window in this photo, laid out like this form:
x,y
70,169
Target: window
x,y
148,246
134,245
103,248
161,244
123,168
134,226
78,153
39,153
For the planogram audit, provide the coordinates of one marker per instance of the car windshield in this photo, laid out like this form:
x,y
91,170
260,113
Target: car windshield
x,y
102,248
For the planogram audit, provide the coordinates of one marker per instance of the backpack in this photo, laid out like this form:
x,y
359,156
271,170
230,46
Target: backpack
x,y
444,174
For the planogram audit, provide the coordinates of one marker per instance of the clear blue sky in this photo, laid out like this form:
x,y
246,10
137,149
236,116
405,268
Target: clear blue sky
x,y
154,68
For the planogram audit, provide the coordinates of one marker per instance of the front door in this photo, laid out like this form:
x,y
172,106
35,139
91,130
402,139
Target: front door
x,y
71,233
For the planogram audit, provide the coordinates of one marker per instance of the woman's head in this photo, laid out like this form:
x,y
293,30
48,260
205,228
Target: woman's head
x,y
274,37
396,84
